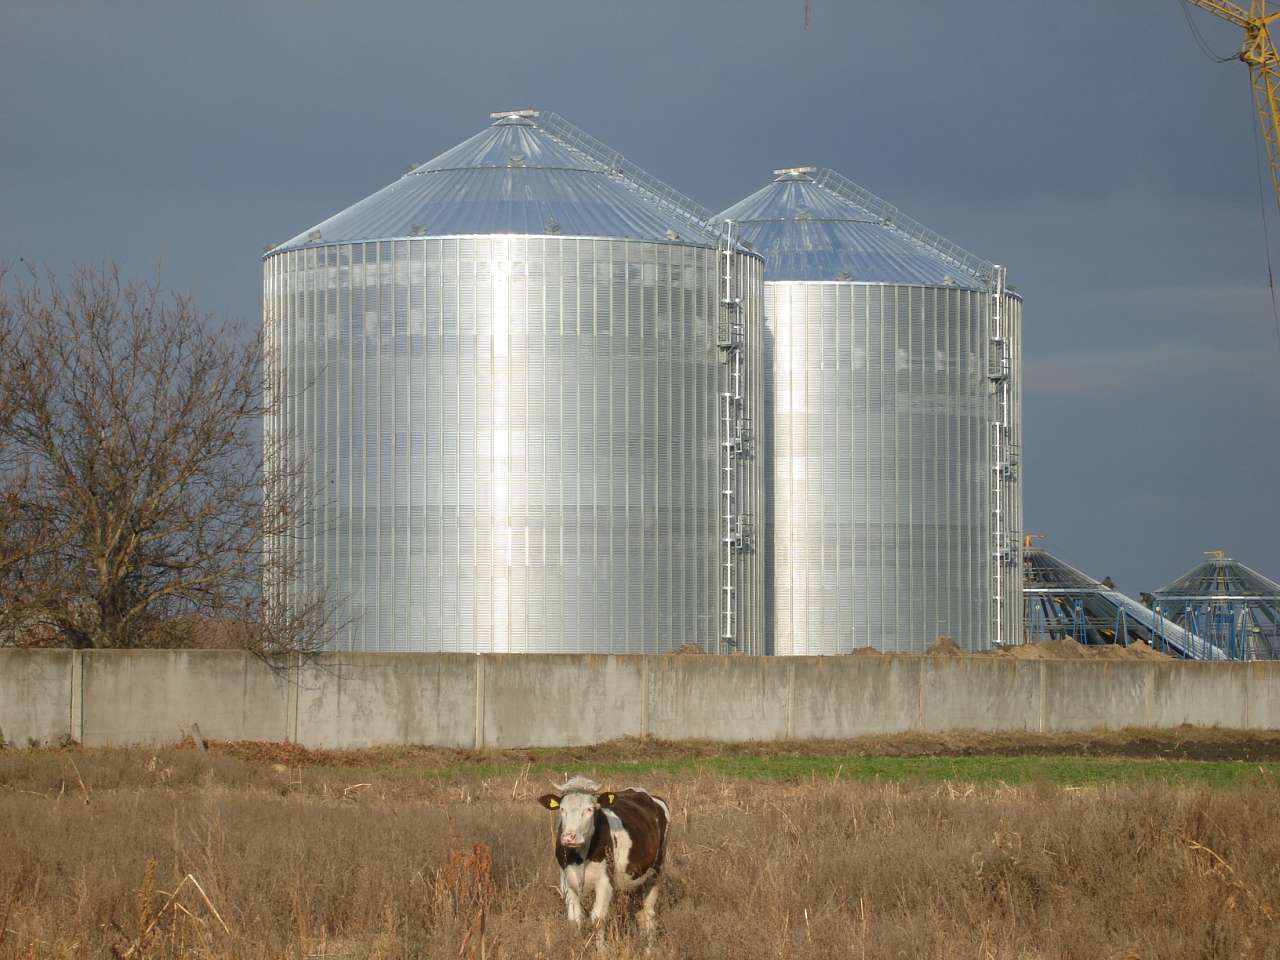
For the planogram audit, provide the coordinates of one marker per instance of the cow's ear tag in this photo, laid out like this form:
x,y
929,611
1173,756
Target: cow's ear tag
x,y
553,803
609,799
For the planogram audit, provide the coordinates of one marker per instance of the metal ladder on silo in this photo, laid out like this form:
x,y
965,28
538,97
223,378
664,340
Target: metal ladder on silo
x,y
735,433
999,365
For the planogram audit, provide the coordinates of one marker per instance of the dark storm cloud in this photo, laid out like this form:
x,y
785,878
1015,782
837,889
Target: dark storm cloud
x,y
1089,146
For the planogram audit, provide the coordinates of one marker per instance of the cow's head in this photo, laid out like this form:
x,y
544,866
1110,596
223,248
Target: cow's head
x,y
575,804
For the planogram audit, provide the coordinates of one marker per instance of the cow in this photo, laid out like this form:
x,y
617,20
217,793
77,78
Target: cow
x,y
608,842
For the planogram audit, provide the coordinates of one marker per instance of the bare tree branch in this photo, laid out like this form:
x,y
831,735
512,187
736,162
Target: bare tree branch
x,y
134,502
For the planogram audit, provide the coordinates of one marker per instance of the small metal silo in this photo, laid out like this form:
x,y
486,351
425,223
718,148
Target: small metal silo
x,y
1228,604
893,419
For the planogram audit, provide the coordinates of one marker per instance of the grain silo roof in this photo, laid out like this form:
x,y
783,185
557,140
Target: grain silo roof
x,y
527,173
811,224
1221,578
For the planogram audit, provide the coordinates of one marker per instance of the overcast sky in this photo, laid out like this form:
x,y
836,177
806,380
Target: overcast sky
x,y
1091,146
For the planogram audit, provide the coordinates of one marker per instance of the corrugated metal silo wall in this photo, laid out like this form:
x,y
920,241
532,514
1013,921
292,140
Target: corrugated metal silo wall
x,y
753,632
880,480
510,443
1014,628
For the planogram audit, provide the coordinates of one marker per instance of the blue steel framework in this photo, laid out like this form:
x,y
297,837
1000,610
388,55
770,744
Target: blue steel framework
x,y
1060,602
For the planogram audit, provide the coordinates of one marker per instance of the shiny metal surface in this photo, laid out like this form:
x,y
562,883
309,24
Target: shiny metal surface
x,y
812,224
879,409
516,177
512,441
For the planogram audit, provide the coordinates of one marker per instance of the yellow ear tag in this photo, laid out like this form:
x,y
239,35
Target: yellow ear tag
x,y
610,799
553,803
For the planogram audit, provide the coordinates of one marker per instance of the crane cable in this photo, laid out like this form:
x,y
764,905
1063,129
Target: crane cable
x,y
1262,210
1257,153
1199,37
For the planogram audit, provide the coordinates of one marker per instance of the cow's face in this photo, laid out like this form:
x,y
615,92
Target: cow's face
x,y
575,816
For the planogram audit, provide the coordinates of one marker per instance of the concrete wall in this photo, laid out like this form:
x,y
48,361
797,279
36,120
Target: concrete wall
x,y
35,695
363,699
153,696
463,700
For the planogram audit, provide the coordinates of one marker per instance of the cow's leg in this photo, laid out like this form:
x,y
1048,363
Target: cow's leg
x,y
572,902
648,923
604,895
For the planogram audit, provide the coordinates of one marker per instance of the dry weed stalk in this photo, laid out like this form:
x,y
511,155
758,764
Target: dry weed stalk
x,y
83,789
520,788
1226,873
149,919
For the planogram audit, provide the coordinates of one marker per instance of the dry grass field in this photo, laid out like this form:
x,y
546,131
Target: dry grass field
x,y
261,851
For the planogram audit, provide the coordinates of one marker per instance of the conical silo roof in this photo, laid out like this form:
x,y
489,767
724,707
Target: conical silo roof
x,y
1043,571
527,173
812,224
1221,578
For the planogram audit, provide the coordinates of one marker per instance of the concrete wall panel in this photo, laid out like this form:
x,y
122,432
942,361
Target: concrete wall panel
x,y
1264,696
35,695
718,698
1091,694
549,700
363,699
1204,694
963,693
836,697
152,696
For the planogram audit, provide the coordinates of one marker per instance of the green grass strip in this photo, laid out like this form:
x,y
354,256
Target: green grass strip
x,y
1062,771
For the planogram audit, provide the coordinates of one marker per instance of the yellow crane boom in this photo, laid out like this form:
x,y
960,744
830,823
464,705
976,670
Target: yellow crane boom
x,y
1259,52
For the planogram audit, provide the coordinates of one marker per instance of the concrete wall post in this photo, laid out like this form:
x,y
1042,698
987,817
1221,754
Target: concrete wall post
x,y
1042,667
75,722
644,696
1248,696
920,714
292,677
791,701
478,742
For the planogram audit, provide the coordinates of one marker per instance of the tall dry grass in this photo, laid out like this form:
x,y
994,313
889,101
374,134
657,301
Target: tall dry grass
x,y
178,855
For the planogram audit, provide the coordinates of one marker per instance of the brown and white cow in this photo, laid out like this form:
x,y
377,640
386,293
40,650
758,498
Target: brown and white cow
x,y
608,842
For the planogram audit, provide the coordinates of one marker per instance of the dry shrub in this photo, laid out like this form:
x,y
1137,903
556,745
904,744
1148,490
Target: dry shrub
x,y
465,883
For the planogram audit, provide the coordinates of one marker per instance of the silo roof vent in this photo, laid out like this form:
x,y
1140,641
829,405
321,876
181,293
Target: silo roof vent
x,y
523,118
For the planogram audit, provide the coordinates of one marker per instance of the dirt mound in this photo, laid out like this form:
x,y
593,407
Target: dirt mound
x,y
1064,650
1070,650
1141,651
945,647
865,652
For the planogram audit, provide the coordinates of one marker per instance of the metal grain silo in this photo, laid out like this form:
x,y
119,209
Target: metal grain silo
x,y
892,418
1230,605
504,377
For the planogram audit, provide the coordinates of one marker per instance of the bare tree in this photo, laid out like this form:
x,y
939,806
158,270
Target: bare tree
x,y
135,492
20,536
